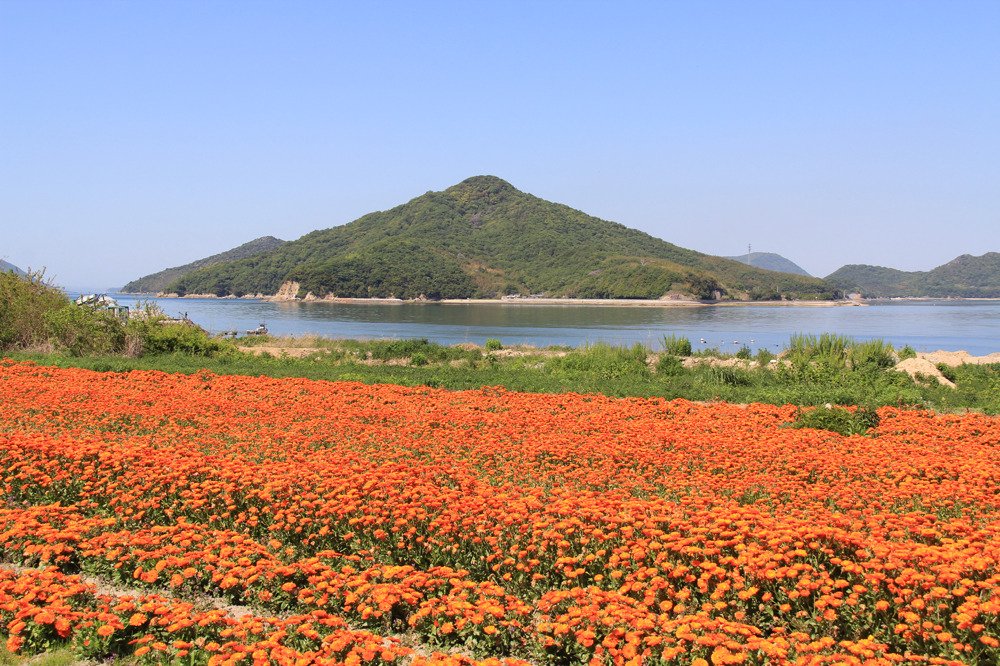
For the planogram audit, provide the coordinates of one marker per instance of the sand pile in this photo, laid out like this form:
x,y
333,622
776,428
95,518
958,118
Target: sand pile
x,y
922,367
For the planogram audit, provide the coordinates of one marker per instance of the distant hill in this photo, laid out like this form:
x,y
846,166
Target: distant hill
x,y
964,277
484,238
158,282
771,262
6,267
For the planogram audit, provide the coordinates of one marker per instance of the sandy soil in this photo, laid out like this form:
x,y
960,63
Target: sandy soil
x,y
921,367
957,358
291,352
925,364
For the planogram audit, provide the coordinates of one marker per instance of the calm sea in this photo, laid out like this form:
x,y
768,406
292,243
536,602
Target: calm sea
x,y
925,325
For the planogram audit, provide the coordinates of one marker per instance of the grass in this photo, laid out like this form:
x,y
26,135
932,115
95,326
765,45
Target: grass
x,y
56,657
60,656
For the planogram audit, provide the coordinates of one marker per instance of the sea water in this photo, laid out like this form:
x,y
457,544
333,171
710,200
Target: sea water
x,y
925,325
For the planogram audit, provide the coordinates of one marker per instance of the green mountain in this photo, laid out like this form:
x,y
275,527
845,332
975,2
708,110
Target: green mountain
x,y
158,282
964,277
770,261
6,267
484,238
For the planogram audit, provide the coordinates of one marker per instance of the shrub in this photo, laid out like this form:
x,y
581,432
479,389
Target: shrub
x,y
493,344
907,352
875,354
837,419
669,365
418,359
764,357
84,332
744,353
676,346
732,376
948,372
24,302
605,361
160,338
827,349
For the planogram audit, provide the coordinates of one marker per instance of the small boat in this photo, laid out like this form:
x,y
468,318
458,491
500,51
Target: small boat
x,y
260,330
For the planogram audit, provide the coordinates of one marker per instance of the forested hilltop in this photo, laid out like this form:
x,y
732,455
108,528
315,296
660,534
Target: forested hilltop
x,y
963,277
159,281
484,238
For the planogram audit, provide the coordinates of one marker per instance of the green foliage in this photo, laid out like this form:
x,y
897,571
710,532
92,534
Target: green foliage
x,y
484,238
732,376
949,372
24,303
414,348
82,331
764,357
875,354
493,344
837,419
163,338
57,656
828,349
907,352
669,365
676,346
388,269
744,353
605,361
975,385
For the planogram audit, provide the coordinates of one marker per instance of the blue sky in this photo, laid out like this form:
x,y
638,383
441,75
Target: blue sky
x,y
136,136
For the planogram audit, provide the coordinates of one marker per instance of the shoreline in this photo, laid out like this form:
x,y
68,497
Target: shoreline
x,y
609,302
606,302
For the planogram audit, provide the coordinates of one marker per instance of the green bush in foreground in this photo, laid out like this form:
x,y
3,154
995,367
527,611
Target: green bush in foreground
x,y
604,361
676,346
24,304
35,314
837,419
84,332
669,365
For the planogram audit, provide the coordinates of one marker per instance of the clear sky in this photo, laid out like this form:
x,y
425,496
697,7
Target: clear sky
x,y
140,135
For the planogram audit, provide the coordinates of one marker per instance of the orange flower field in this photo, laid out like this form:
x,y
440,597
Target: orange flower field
x,y
225,519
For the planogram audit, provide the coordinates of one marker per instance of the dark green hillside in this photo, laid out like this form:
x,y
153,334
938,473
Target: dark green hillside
x,y
504,242
771,262
158,281
964,277
873,281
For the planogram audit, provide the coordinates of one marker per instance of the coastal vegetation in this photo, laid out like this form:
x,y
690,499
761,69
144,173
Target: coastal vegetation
x,y
485,238
36,317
